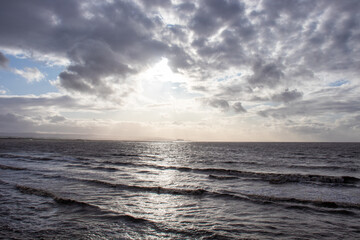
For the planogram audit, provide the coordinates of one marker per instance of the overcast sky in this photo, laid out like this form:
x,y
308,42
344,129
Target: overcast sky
x,y
211,70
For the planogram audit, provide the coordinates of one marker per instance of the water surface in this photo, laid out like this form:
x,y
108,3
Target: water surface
x,y
63,189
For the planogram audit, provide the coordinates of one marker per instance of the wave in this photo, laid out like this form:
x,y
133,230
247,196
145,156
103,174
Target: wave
x,y
238,196
133,155
29,157
71,202
159,190
4,183
319,203
5,167
274,178
125,155
40,158
107,169
222,177
352,169
7,155
124,163
111,215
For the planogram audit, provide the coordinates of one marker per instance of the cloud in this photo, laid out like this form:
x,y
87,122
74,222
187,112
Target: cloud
x,y
288,52
16,104
221,104
56,119
30,74
266,74
318,107
12,123
119,43
3,61
125,38
287,96
212,14
238,108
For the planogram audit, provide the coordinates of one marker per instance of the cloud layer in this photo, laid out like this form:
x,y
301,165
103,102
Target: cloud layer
x,y
270,60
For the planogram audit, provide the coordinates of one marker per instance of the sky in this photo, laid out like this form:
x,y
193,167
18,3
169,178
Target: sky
x,y
205,70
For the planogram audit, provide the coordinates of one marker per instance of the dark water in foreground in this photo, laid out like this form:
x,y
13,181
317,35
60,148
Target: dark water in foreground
x,y
57,189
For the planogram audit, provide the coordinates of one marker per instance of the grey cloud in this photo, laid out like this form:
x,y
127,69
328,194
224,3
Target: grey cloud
x,y
224,105
325,102
56,118
346,129
14,123
101,40
3,61
35,125
175,33
18,103
222,54
199,88
92,62
293,8
221,104
238,108
266,74
285,43
178,58
224,9
186,7
279,41
213,14
156,3
287,96
318,107
231,90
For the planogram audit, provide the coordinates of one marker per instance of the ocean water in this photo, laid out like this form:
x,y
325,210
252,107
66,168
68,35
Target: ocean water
x,y
74,189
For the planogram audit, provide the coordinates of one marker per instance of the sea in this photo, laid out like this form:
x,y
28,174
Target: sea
x,y
79,189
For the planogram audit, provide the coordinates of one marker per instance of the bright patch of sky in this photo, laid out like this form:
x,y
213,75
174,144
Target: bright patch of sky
x,y
15,84
160,84
339,83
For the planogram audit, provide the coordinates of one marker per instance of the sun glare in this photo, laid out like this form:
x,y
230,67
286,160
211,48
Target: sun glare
x,y
159,83
161,72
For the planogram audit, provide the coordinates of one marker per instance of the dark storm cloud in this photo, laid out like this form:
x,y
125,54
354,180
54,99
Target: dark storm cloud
x,y
3,61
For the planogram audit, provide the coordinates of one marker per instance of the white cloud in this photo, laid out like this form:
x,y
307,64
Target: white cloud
x,y
30,74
